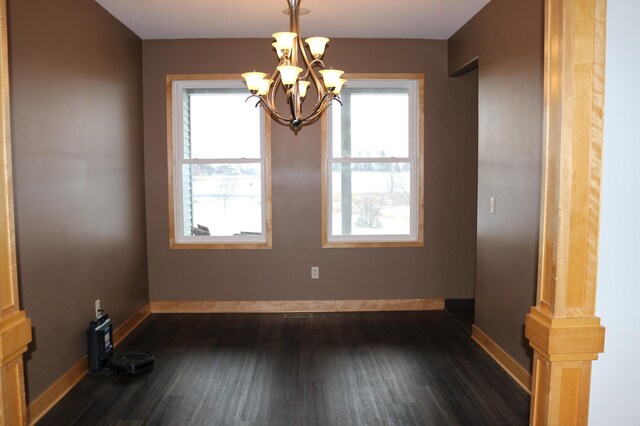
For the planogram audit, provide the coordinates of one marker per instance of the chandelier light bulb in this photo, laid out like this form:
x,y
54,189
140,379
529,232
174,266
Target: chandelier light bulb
x,y
302,88
253,80
338,88
331,78
317,45
285,40
264,87
279,51
289,74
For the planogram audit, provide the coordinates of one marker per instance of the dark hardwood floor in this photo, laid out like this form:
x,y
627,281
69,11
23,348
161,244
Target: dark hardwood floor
x,y
400,368
462,311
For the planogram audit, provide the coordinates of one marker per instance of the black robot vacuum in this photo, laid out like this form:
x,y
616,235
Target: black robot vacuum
x,y
102,360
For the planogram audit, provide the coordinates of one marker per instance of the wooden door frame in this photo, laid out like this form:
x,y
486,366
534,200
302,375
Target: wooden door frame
x,y
562,328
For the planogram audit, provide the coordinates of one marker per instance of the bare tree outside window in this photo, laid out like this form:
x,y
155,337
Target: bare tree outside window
x,y
227,189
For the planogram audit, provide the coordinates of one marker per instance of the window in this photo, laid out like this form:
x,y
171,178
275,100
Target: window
x,y
219,165
373,163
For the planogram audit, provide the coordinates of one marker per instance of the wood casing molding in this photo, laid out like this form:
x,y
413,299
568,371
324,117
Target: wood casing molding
x,y
502,358
290,306
562,328
171,173
54,393
324,125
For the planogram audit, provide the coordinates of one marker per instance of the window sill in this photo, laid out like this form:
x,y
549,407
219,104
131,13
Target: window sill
x,y
372,244
220,246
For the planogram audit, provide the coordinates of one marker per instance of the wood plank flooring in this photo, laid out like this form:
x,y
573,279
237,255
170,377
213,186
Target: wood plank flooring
x,y
388,368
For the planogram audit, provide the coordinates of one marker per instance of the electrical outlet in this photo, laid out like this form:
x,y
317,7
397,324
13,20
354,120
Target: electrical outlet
x,y
492,205
97,305
315,272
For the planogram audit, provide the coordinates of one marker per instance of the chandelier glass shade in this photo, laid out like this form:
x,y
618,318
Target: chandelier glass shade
x,y
296,73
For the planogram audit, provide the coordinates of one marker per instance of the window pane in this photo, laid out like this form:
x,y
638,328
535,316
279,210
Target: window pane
x,y
221,125
371,123
371,199
225,199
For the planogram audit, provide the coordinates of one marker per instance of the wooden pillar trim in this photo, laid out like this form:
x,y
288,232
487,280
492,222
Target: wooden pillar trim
x,y
562,328
15,335
561,339
15,327
12,395
8,264
562,388
574,94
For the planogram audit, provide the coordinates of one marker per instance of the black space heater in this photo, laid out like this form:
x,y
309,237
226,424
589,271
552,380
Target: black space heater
x,y
102,361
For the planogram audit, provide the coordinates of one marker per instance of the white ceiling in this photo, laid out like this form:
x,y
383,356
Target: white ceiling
x,y
167,19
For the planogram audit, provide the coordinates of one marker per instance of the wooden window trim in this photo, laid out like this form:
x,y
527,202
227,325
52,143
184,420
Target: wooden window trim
x,y
173,243
420,170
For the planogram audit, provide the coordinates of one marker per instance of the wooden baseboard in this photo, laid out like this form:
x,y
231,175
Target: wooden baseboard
x,y
54,393
288,306
130,324
504,360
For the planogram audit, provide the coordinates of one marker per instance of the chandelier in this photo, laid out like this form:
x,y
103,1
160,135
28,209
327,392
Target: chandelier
x,y
295,72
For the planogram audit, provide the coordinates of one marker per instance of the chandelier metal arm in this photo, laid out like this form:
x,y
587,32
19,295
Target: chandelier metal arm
x,y
272,111
320,107
311,64
271,93
316,81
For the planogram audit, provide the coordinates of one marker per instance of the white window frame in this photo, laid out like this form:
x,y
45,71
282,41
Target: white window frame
x,y
415,85
176,86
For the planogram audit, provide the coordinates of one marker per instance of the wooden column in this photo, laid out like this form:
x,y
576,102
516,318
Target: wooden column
x,y
15,327
562,328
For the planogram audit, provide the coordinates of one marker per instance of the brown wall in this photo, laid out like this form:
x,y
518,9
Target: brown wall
x,y
445,267
507,38
76,110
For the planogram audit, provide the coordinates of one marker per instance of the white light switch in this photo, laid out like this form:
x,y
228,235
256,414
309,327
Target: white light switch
x,y
492,205
315,272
